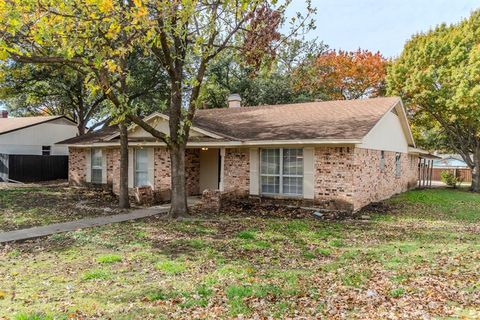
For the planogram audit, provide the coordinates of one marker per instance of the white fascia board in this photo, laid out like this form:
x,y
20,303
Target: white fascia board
x,y
165,117
232,143
417,151
406,123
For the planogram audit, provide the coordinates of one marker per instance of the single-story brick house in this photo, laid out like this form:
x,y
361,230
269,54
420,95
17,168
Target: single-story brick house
x,y
334,154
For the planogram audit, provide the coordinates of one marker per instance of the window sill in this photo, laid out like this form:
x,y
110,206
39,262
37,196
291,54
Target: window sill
x,y
281,196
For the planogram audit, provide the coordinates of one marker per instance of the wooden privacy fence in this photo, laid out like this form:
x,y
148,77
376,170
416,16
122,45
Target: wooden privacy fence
x,y
464,173
34,168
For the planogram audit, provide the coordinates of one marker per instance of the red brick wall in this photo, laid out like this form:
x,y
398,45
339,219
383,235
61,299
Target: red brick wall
x,y
374,184
77,170
237,170
77,165
333,185
350,178
192,171
345,177
162,182
113,161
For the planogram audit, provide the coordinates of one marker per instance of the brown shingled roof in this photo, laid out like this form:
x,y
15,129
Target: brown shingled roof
x,y
91,137
345,119
327,120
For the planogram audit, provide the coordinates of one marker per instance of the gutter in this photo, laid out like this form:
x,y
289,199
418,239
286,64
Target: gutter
x,y
229,143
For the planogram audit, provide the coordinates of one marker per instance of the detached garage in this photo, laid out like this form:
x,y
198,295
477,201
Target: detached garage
x,y
27,147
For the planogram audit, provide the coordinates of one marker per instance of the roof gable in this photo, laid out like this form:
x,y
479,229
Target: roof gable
x,y
160,122
8,125
391,132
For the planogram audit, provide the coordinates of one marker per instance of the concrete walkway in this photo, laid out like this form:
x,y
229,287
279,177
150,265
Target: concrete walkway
x,y
35,232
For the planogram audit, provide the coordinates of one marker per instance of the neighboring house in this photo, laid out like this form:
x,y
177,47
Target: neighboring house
x,y
449,161
35,135
23,141
333,154
452,163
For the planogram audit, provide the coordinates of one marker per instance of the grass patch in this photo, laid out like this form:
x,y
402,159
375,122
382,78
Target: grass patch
x,y
247,235
323,251
171,267
38,316
97,274
109,258
397,292
337,243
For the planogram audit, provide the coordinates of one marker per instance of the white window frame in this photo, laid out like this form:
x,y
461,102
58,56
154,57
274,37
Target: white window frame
x,y
96,167
281,175
136,171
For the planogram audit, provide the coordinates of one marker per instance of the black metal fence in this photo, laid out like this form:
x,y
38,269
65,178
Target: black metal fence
x,y
3,167
34,168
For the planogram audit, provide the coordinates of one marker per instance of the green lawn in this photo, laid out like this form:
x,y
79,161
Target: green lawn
x,y
421,259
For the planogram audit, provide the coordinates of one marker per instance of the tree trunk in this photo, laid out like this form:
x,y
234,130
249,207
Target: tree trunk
x,y
475,187
179,207
124,202
81,127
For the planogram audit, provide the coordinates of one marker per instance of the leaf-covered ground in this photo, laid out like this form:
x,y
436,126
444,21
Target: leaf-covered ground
x,y
421,259
23,207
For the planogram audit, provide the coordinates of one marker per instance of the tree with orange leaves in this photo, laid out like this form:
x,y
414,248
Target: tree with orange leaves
x,y
342,75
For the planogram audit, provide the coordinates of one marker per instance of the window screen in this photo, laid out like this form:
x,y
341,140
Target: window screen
x,y
96,166
141,167
281,171
398,164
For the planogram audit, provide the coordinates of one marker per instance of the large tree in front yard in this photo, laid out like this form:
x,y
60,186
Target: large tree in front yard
x,y
185,37
438,77
96,38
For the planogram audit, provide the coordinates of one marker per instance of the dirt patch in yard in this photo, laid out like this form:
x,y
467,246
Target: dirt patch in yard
x,y
23,206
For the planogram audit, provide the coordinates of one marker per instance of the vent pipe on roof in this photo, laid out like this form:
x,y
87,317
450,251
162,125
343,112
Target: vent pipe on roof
x,y
3,114
234,100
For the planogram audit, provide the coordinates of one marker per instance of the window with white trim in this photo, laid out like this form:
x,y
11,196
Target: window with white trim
x,y
141,167
96,161
281,171
398,164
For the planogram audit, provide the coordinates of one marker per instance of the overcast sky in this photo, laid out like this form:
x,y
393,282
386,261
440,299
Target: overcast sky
x,y
380,25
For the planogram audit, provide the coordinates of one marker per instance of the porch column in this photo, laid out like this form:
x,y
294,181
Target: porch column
x,y
222,170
